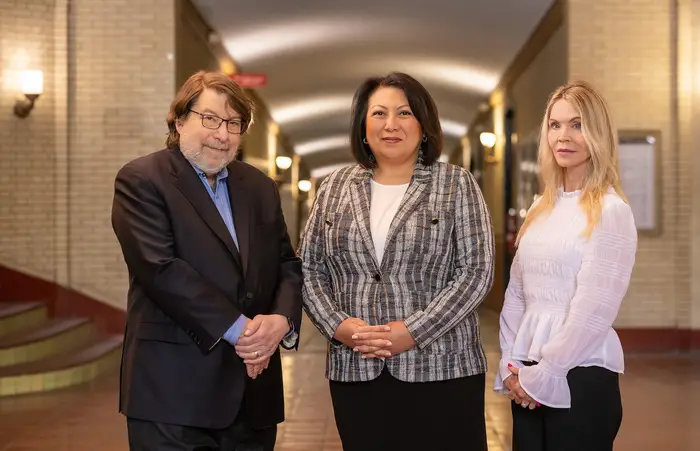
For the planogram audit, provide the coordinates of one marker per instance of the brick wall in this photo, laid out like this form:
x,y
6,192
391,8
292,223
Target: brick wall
x,y
108,85
27,158
624,47
255,143
691,147
196,46
530,91
689,136
124,78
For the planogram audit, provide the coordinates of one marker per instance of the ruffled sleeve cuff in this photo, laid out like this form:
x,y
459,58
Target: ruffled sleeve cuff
x,y
504,372
546,384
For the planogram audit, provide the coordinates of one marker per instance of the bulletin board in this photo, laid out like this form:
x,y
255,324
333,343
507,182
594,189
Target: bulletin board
x,y
640,173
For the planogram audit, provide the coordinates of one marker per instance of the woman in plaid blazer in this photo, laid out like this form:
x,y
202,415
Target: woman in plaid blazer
x,y
397,256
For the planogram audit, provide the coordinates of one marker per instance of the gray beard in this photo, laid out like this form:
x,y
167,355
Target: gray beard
x,y
196,158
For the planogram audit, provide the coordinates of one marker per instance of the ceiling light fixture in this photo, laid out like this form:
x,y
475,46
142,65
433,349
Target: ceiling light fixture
x,y
310,108
322,144
323,171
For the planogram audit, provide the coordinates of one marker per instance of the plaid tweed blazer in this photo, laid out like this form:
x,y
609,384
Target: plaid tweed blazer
x,y
436,270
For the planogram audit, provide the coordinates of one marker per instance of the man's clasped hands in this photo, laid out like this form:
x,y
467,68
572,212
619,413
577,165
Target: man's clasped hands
x,y
259,341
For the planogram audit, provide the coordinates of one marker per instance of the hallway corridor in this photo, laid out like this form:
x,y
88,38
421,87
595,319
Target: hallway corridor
x,y
660,393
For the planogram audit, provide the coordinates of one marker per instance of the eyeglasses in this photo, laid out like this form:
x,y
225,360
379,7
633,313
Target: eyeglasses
x,y
233,126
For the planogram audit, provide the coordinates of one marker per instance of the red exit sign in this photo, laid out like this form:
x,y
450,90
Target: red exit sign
x,y
250,80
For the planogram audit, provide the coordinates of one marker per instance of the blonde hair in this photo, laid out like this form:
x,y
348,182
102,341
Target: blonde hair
x,y
602,170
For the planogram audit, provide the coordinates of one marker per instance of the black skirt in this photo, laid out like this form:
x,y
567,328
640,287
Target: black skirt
x,y
390,415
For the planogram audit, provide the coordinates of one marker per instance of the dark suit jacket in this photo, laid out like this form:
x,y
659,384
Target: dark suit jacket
x,y
188,284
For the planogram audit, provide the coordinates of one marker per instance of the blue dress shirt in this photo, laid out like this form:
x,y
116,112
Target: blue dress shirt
x,y
219,195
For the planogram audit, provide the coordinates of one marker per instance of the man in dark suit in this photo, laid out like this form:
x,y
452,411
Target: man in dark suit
x,y
214,283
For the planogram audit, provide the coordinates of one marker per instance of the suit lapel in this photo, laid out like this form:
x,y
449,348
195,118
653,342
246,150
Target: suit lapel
x,y
360,200
240,206
417,190
360,193
189,184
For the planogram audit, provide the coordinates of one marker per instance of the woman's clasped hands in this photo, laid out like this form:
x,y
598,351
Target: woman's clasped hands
x,y
515,390
375,342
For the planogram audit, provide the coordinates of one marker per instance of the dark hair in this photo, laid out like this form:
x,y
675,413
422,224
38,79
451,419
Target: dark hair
x,y
189,93
422,106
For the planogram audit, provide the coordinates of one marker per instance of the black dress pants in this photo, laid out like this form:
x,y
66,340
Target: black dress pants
x,y
151,436
387,414
591,424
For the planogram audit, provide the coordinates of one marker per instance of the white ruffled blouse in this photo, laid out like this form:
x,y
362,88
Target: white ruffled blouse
x,y
564,295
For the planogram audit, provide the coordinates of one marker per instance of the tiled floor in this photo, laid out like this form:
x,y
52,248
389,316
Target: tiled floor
x,y
661,397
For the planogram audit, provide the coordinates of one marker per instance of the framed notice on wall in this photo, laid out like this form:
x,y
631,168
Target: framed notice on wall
x,y
640,176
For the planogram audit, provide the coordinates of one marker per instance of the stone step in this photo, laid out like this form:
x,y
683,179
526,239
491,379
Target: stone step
x,y
53,336
63,370
19,315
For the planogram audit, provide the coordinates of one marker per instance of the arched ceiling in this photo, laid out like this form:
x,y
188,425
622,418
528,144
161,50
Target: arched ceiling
x,y
315,53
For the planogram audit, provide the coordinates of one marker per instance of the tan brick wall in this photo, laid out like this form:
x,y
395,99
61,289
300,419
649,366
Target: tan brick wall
x,y
124,76
689,137
624,48
692,150
529,94
61,46
58,165
192,47
27,159
256,140
530,91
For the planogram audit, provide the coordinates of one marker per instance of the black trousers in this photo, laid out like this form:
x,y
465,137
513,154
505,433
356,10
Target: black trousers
x,y
591,424
150,436
390,415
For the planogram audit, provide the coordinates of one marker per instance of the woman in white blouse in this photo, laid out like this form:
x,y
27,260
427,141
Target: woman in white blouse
x,y
560,355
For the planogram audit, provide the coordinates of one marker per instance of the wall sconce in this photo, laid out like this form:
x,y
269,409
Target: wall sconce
x,y
304,186
283,162
487,139
32,86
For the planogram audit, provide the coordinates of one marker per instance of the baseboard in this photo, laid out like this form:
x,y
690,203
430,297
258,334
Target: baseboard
x,y
658,339
16,286
638,340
